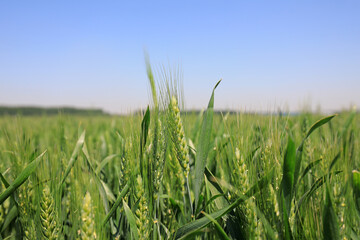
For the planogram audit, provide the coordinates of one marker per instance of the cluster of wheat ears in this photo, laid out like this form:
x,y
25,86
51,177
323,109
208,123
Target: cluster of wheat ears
x,y
166,175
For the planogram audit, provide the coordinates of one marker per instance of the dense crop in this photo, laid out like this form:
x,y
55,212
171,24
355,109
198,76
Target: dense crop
x,y
165,175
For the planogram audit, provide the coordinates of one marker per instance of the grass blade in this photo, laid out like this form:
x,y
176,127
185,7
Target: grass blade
x,y
145,124
104,162
31,167
203,147
117,203
9,218
318,124
131,219
317,184
299,150
6,184
309,167
333,162
219,229
356,188
286,224
100,185
202,222
330,223
270,233
288,174
73,157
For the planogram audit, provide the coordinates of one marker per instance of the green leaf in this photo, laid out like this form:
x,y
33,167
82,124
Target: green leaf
x,y
288,174
317,184
330,224
219,229
100,186
318,124
73,157
131,219
356,188
144,134
109,194
203,147
299,150
6,184
203,222
348,123
104,162
353,235
214,197
215,189
252,154
286,224
123,192
12,214
309,167
235,220
196,126
219,202
287,184
270,233
31,167
333,162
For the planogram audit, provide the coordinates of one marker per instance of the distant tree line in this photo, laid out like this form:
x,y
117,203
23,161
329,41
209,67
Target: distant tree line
x,y
34,111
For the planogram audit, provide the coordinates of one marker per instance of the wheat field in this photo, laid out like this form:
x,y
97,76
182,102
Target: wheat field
x,y
163,174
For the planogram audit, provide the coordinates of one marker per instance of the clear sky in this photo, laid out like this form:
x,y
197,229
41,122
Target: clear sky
x,y
269,54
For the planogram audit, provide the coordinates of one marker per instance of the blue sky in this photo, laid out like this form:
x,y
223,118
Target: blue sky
x,y
270,54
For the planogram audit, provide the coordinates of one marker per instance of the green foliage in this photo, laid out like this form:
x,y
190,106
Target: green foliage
x,y
21,178
168,174
203,147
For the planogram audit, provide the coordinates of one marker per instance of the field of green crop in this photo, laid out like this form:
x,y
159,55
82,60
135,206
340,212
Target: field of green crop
x,y
166,175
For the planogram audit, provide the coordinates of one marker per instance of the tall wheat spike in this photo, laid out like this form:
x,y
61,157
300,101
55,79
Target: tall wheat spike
x,y
48,217
125,162
87,230
142,213
159,156
27,210
178,136
255,226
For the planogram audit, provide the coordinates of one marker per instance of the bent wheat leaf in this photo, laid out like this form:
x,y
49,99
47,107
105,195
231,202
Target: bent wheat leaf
x,y
104,162
21,178
220,230
318,124
73,157
317,184
116,204
101,186
198,224
309,167
299,150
